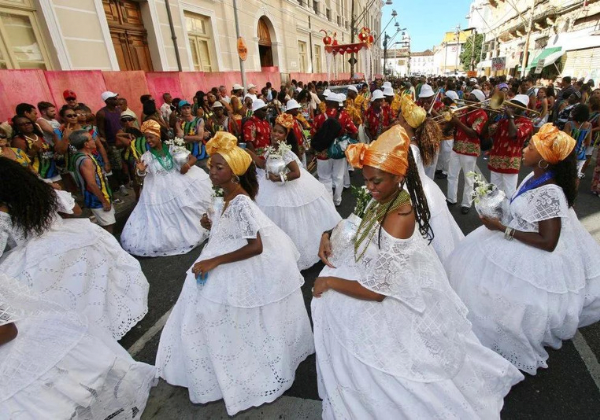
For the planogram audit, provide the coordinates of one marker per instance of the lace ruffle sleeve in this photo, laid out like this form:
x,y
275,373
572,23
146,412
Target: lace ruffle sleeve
x,y
66,202
289,157
245,218
547,202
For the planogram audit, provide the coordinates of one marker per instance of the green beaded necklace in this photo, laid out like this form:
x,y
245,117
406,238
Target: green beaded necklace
x,y
374,215
166,160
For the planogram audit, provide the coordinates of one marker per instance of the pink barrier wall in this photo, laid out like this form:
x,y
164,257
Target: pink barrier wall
x,y
88,85
309,77
129,85
18,86
159,83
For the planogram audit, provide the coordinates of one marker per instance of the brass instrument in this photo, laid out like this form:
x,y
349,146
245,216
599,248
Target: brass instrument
x,y
498,102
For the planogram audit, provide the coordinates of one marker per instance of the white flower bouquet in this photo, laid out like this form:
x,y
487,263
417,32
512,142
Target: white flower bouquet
x,y
342,237
275,164
489,201
178,150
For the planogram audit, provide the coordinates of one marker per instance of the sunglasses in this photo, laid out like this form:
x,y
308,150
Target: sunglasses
x,y
2,136
127,119
81,114
25,123
71,99
70,115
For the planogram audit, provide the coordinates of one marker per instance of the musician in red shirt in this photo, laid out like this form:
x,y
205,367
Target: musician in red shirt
x,y
257,130
377,118
512,132
467,129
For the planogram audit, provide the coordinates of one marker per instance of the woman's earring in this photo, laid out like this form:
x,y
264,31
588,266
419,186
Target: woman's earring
x,y
543,167
235,179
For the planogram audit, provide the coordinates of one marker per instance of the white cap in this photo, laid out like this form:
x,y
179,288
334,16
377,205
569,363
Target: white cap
x,y
472,79
353,88
478,94
388,91
452,95
426,91
258,104
237,86
377,94
523,99
387,85
341,98
326,93
251,85
292,104
217,105
332,97
108,94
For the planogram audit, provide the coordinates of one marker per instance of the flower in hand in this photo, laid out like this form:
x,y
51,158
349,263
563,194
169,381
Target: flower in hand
x,y
321,286
492,224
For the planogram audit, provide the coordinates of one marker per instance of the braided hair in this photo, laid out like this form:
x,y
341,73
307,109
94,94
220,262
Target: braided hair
x,y
428,137
32,204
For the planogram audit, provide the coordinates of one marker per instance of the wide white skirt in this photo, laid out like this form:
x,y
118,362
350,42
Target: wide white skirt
x,y
520,298
246,356
96,379
302,208
83,268
166,220
351,389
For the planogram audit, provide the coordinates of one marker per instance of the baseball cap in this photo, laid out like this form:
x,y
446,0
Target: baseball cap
x,y
251,85
183,103
237,86
108,94
69,94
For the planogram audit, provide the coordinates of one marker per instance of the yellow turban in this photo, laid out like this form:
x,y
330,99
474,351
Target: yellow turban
x,y
151,126
388,153
286,121
225,144
554,145
412,113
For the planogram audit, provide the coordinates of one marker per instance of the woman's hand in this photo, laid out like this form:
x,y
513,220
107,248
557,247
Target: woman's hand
x,y
325,250
493,224
203,267
184,169
141,166
321,286
205,222
273,177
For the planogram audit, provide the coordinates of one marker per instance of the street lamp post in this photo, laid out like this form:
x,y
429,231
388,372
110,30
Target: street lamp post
x,y
237,33
457,48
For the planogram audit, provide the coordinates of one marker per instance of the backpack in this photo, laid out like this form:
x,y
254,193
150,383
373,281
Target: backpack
x,y
326,135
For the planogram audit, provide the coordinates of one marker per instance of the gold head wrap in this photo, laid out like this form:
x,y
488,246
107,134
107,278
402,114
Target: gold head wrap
x,y
554,145
412,113
225,144
151,126
388,153
286,121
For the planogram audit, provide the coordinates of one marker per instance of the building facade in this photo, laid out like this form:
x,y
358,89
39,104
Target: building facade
x,y
562,33
178,35
422,63
446,56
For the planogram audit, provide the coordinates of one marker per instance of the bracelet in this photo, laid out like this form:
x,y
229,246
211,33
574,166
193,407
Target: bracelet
x,y
140,173
509,233
283,177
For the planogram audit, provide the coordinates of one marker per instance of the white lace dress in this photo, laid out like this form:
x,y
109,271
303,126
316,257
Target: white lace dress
x,y
413,355
80,266
166,220
302,208
58,367
241,335
521,298
447,233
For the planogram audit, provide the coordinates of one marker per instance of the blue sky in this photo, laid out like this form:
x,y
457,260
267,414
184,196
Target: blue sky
x,y
426,20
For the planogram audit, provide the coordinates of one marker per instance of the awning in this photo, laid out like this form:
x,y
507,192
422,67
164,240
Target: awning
x,y
483,64
549,55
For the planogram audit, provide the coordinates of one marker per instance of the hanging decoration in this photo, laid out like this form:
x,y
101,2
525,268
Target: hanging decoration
x,y
362,48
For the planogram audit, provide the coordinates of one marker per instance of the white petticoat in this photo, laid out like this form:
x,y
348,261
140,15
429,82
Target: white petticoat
x,y
83,268
521,298
302,208
166,220
447,233
96,379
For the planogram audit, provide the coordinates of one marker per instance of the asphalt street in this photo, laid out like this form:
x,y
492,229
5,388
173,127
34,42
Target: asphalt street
x,y
568,389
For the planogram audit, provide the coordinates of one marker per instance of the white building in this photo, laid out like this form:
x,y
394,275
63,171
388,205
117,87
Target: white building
x,y
446,56
422,63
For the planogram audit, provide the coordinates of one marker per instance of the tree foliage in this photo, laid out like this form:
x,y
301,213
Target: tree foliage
x,y
467,51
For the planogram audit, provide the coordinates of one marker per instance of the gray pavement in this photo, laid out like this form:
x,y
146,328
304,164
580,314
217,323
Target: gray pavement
x,y
568,389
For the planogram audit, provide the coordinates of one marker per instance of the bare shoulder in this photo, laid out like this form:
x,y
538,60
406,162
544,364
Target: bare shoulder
x,y
401,222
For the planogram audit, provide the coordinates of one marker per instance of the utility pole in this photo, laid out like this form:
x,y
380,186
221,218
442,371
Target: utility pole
x,y
352,33
457,48
237,34
385,45
526,52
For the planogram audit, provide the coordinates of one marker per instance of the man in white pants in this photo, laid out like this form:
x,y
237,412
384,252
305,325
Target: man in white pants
x,y
508,139
442,166
467,129
331,171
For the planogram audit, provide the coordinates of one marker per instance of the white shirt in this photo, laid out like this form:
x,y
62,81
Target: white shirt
x,y
165,111
251,95
226,99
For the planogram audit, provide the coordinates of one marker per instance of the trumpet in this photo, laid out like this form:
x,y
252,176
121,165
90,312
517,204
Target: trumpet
x,y
447,115
498,102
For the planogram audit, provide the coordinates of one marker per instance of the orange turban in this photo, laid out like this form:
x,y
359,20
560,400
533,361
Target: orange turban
x,y
152,127
286,121
225,144
388,153
554,145
412,113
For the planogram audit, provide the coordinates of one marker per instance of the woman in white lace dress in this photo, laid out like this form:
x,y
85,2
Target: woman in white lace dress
x,y
239,329
392,338
72,261
166,219
425,136
531,280
56,364
297,202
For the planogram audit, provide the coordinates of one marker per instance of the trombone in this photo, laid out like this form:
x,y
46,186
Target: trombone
x,y
497,103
